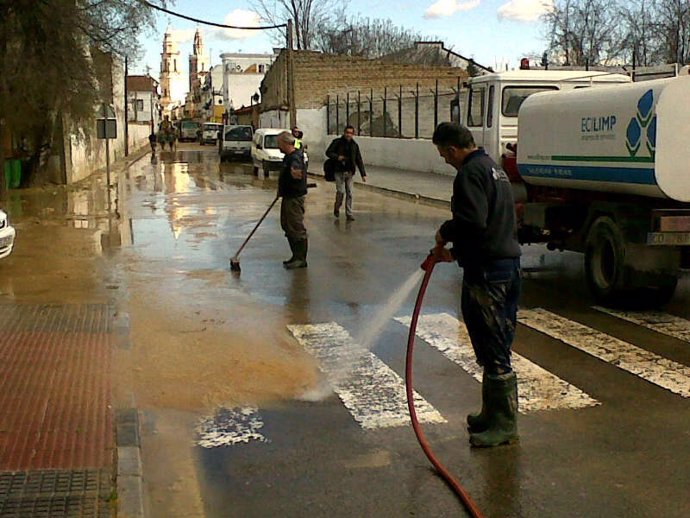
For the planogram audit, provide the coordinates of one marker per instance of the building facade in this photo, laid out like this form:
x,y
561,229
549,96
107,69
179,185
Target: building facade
x,y
212,95
143,99
242,76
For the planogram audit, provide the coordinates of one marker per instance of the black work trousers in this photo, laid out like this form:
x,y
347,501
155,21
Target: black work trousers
x,y
490,294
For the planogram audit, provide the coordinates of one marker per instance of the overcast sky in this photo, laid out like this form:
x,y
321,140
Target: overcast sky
x,y
493,32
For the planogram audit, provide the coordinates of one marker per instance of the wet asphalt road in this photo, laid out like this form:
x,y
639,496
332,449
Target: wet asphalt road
x,y
625,457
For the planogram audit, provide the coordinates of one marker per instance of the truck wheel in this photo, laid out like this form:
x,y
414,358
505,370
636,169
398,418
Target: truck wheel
x,y
605,261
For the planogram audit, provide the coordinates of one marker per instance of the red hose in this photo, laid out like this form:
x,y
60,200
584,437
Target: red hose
x,y
467,501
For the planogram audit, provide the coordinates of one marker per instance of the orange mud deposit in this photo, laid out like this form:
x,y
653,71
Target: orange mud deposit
x,y
201,358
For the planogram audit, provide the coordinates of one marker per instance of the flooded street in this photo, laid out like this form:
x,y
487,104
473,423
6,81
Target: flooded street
x,y
255,399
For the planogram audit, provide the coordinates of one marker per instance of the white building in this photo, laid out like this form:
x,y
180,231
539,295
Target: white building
x,y
242,76
212,94
144,104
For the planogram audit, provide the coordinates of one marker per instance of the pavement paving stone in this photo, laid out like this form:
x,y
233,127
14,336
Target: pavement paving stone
x,y
56,440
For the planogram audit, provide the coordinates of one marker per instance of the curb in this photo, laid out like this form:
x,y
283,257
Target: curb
x,y
402,195
130,480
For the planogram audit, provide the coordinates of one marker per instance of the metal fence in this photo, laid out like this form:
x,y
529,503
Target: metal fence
x,y
394,112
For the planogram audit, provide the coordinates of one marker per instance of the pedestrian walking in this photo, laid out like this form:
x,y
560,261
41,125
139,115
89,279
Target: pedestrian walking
x,y
345,151
152,142
292,188
484,243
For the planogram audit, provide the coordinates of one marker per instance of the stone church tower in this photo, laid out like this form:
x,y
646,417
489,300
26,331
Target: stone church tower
x,y
172,87
198,63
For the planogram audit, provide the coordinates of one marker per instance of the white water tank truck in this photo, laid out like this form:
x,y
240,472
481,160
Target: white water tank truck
x,y
602,168
606,172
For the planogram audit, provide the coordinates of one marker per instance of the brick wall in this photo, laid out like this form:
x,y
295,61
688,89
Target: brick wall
x,y
319,75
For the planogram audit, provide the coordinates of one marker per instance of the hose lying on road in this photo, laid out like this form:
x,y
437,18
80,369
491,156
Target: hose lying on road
x,y
472,509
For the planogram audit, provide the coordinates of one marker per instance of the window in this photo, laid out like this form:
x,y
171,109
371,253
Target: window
x,y
139,105
514,96
271,142
262,69
475,111
490,111
240,133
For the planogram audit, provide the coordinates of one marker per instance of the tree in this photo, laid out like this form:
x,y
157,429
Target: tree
x,y
673,29
584,32
49,56
366,37
306,16
640,32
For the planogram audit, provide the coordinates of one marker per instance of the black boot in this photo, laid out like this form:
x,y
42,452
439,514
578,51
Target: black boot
x,y
300,261
501,407
291,242
477,423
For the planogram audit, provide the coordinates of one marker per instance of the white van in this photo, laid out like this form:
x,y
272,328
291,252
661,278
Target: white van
x,y
236,143
266,156
209,132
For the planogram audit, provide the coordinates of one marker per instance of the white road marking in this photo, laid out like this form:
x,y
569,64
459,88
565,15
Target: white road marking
x,y
663,323
230,426
372,392
538,388
647,365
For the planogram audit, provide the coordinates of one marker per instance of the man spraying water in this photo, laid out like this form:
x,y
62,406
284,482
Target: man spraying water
x,y
483,235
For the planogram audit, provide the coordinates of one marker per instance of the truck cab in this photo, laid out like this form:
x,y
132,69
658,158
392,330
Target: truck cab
x,y
492,101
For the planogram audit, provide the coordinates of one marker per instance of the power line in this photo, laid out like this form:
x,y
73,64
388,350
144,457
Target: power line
x,y
204,22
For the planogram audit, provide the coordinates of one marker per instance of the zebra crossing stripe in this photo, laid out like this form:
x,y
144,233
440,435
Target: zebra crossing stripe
x,y
230,426
538,388
669,325
647,365
373,393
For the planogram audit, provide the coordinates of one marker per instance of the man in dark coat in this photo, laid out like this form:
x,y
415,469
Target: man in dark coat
x,y
345,151
292,188
484,238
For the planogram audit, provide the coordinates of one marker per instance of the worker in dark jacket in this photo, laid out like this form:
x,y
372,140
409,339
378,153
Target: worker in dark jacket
x,y
292,187
484,243
347,155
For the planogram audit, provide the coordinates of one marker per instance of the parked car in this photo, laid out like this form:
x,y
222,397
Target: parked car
x,y
237,142
209,132
265,153
7,235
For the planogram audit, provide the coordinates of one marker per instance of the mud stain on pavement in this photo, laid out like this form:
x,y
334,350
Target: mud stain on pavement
x,y
200,358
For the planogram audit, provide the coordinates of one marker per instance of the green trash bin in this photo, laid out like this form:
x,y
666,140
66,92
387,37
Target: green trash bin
x,y
13,173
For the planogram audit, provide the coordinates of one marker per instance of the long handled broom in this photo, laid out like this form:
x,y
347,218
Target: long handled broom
x,y
234,260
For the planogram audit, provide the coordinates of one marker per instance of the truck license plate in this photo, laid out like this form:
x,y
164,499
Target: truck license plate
x,y
668,238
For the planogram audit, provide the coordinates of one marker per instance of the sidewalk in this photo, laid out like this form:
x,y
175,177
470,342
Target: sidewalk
x,y
432,188
57,333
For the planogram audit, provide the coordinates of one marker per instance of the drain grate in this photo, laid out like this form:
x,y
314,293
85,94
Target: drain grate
x,y
55,494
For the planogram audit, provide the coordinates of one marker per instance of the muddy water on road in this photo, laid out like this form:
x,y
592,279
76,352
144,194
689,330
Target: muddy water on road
x,y
199,341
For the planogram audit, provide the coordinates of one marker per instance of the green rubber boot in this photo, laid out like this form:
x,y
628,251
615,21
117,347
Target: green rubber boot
x,y
501,405
300,261
291,242
478,422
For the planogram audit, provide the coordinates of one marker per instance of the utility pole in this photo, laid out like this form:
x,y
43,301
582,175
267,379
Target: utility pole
x,y
291,76
126,108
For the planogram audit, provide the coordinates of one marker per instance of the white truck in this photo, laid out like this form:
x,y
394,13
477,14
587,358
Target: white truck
x,y
598,166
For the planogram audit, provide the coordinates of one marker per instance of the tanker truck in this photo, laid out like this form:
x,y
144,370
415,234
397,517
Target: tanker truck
x,y
598,166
